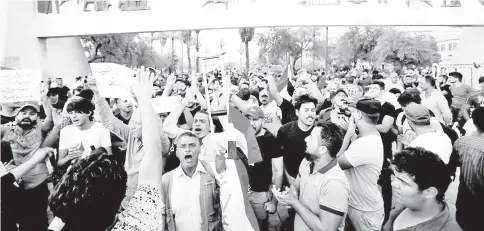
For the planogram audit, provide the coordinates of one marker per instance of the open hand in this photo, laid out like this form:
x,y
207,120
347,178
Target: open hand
x,y
57,118
91,84
143,85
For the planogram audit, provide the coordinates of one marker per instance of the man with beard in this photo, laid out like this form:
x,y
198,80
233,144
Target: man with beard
x,y
338,113
213,146
130,134
362,162
84,135
291,137
321,185
459,91
260,174
444,87
25,139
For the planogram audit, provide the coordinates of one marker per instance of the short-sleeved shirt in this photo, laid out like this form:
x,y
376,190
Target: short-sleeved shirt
x,y
429,140
365,154
261,173
326,189
460,94
272,113
476,99
97,136
387,109
292,146
443,221
23,148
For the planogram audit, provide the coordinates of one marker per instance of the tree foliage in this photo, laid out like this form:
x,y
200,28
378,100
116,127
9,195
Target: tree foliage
x,y
357,44
131,50
402,48
280,45
246,35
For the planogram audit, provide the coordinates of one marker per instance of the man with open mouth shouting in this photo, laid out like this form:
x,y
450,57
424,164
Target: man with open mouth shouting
x,y
212,146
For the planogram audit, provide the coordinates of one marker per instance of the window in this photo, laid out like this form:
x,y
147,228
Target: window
x,y
455,45
442,47
450,46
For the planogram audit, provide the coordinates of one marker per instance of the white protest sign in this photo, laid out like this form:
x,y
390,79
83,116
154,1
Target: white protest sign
x,y
113,80
165,104
20,85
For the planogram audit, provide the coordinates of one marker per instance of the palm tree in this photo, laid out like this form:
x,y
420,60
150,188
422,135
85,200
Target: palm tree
x,y
246,34
187,37
197,49
173,51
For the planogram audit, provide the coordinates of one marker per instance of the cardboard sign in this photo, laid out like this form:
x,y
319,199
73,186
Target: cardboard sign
x,y
20,85
113,80
165,104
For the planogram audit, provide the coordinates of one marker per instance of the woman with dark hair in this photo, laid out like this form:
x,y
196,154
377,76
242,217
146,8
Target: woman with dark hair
x,y
90,194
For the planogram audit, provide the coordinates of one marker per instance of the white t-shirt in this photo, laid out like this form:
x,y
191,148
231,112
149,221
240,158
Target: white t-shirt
x,y
407,130
97,136
470,128
365,154
272,113
437,142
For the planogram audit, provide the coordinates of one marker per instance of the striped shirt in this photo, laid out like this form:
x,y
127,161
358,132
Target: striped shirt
x,y
470,198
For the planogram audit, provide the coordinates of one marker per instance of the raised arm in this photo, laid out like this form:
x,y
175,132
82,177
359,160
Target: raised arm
x,y
151,167
273,89
105,115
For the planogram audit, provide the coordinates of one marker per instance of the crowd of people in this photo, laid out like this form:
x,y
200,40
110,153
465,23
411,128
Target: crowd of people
x,y
349,150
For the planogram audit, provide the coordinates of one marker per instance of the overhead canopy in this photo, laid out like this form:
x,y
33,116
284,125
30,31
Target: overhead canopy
x,y
471,47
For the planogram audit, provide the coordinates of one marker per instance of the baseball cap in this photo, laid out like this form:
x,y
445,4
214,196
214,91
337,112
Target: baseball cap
x,y
481,79
54,85
368,105
29,105
417,113
255,112
264,93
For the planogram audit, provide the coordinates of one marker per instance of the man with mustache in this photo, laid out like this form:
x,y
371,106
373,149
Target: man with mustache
x,y
212,146
25,139
291,137
190,191
272,113
320,192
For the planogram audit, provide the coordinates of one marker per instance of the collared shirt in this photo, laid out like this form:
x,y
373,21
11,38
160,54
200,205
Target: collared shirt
x,y
326,189
23,148
437,103
185,199
443,221
470,198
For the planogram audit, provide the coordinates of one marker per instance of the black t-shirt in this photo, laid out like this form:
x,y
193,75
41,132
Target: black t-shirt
x,y
63,93
125,121
6,119
293,147
288,111
387,109
448,96
261,173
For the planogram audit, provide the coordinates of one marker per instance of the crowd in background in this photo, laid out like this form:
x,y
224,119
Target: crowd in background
x,y
343,150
